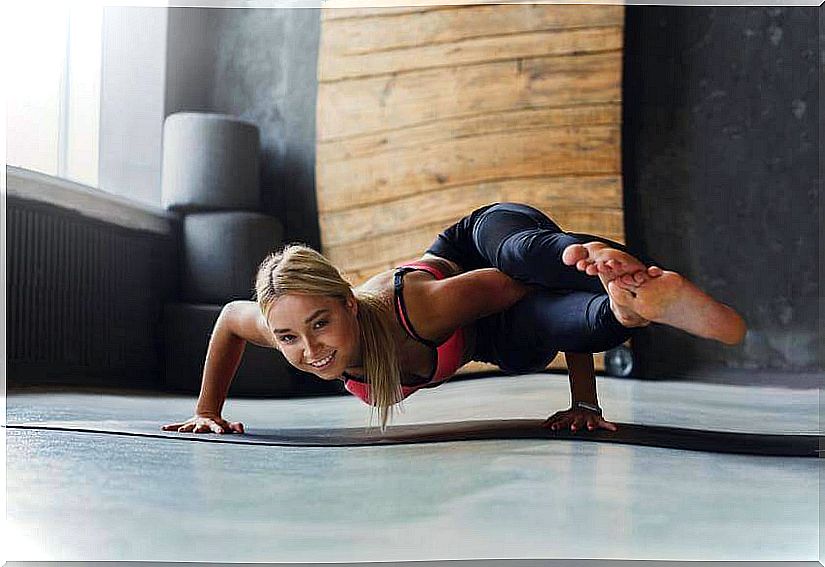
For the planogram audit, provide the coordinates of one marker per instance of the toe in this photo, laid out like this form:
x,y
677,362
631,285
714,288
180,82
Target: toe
x,y
628,280
620,295
573,254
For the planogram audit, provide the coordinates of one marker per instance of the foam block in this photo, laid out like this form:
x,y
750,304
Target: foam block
x,y
263,372
222,252
210,162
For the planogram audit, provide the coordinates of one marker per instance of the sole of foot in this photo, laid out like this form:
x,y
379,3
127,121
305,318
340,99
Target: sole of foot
x,y
599,259
673,300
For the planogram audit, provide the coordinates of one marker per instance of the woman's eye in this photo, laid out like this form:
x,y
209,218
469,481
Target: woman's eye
x,y
286,338
322,323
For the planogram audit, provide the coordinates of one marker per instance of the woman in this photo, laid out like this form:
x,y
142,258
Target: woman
x,y
503,285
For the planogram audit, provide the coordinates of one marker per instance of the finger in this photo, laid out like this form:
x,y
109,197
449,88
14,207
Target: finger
x,y
639,277
559,423
592,270
200,428
581,265
654,271
557,415
236,426
186,428
171,426
607,425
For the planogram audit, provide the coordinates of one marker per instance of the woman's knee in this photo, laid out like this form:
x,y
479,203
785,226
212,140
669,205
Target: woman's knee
x,y
534,256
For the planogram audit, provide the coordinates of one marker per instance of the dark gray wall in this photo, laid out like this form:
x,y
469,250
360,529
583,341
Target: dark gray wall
x,y
721,175
260,65
191,50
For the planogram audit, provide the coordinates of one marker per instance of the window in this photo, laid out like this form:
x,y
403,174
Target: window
x,y
53,91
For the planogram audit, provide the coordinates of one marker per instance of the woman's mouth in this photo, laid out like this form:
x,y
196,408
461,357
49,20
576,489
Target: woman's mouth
x,y
324,362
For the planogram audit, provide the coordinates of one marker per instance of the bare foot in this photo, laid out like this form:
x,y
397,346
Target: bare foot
x,y
673,300
599,259
622,290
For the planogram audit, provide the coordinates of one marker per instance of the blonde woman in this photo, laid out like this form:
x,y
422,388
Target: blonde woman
x,y
503,285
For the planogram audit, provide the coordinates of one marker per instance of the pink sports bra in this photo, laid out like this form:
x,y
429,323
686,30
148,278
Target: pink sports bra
x,y
446,356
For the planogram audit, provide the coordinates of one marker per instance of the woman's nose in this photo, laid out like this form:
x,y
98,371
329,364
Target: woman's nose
x,y
312,348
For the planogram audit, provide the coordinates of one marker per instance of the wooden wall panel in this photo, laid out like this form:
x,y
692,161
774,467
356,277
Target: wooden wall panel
x,y
428,112
396,100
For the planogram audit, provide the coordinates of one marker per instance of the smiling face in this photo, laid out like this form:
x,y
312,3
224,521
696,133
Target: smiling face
x,y
309,329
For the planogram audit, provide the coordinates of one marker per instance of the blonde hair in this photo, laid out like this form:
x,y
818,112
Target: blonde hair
x,y
299,269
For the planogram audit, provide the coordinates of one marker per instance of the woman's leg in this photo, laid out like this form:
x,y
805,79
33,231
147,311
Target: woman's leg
x,y
522,242
528,335
525,244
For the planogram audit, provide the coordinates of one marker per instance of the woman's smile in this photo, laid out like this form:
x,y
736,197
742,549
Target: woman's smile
x,y
324,362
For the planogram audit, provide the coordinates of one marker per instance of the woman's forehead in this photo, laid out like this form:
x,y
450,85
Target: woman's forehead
x,y
299,305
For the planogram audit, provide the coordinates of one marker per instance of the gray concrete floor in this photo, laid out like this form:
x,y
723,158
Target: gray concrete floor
x,y
83,496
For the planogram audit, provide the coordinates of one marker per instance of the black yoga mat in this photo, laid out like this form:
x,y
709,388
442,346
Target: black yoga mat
x,y
785,445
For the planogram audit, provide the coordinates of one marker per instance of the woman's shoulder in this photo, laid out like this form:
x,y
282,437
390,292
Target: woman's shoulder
x,y
384,281
445,266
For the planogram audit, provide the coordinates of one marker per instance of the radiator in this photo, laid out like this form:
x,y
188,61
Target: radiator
x,y
84,298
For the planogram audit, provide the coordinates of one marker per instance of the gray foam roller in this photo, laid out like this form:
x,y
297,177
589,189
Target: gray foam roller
x,y
262,372
210,162
222,252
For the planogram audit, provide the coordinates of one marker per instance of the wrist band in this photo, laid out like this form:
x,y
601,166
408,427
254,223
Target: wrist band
x,y
587,406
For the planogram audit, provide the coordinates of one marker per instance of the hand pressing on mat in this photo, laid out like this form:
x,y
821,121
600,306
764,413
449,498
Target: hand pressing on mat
x,y
578,418
205,424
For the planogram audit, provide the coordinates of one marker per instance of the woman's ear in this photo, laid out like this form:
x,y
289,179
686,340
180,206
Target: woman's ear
x,y
352,306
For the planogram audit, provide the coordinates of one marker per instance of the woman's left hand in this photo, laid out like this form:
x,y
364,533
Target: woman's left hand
x,y
578,418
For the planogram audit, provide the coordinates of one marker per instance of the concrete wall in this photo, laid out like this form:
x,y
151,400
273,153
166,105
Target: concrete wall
x,y
191,49
720,157
260,65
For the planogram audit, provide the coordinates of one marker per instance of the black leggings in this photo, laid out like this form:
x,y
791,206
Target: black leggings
x,y
571,313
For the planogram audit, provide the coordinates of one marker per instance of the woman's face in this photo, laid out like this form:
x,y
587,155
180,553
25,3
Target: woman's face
x,y
309,329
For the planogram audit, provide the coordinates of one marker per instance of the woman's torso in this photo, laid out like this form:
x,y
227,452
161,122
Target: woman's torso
x,y
416,358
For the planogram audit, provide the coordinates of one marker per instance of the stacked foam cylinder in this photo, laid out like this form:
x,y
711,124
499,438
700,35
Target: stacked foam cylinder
x,y
210,177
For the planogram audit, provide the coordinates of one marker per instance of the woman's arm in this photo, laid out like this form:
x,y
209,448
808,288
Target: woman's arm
x,y
454,302
239,322
584,408
582,374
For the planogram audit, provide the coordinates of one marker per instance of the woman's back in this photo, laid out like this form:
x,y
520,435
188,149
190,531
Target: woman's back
x,y
417,358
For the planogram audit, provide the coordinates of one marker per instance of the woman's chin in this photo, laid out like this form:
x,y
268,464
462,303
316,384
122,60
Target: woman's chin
x,y
328,375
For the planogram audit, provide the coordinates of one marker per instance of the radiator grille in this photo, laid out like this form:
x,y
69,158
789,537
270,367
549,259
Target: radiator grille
x,y
84,297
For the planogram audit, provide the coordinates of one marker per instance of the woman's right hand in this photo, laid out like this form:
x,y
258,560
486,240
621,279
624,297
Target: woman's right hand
x,y
205,424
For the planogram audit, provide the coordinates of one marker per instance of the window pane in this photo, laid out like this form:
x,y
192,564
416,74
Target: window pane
x,y
85,41
34,91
